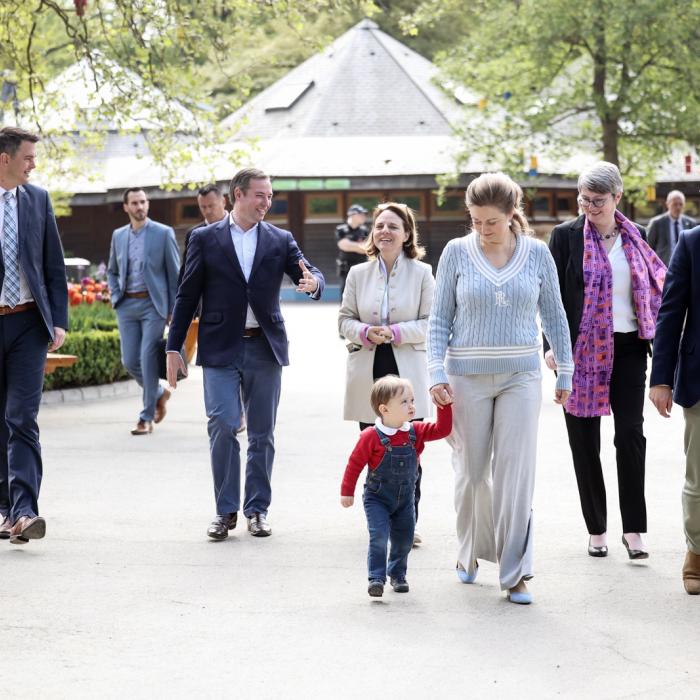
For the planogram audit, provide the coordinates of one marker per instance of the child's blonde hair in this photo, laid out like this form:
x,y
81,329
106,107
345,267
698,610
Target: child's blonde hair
x,y
385,389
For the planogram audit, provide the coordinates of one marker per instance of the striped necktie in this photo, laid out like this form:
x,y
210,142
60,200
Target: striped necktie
x,y
10,252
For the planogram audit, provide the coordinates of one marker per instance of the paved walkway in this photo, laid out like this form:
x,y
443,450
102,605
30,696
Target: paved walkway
x,y
126,597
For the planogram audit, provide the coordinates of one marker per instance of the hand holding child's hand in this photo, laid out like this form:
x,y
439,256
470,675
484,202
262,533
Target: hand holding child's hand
x,y
347,501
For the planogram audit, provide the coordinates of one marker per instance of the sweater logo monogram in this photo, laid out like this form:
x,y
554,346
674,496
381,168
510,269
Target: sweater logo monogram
x,y
501,299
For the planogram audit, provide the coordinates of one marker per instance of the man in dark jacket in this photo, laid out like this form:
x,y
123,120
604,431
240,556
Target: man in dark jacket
x,y
675,376
350,238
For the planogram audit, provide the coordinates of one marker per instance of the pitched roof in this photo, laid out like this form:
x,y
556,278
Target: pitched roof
x,y
364,84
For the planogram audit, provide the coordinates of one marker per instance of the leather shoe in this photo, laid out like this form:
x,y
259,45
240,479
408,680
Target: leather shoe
x,y
634,553
691,573
143,427
161,409
601,551
218,530
27,528
5,529
258,525
400,585
376,588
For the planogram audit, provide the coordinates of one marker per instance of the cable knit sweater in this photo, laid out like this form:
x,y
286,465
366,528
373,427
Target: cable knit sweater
x,y
484,320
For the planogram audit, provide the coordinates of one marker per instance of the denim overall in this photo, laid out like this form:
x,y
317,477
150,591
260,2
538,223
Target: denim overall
x,y
388,500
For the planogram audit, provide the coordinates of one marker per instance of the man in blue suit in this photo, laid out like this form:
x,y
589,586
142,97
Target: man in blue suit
x,y
144,262
33,318
236,266
675,376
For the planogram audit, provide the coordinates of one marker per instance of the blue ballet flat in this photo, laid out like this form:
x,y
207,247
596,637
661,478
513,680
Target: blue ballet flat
x,y
465,577
520,598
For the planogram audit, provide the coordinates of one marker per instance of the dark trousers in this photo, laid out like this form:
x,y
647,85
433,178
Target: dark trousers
x,y
627,388
385,363
23,346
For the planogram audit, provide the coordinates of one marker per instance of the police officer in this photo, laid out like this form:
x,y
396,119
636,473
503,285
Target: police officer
x,y
350,238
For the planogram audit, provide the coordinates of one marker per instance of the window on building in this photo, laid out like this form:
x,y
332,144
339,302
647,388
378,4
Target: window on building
x,y
566,205
323,207
413,199
452,207
279,211
368,200
541,205
187,212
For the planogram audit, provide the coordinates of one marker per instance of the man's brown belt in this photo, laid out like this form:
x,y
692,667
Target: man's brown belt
x,y
5,310
136,295
251,332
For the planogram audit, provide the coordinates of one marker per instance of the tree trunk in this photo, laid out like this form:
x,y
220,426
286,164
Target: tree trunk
x,y
610,141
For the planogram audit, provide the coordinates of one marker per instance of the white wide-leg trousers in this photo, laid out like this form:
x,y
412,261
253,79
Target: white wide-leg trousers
x,y
494,443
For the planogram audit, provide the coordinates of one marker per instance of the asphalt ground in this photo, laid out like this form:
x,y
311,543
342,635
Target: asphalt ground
x,y
127,597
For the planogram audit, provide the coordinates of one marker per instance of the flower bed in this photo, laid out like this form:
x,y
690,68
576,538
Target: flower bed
x,y
92,336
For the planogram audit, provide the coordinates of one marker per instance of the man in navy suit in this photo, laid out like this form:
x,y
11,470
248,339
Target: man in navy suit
x,y
33,318
144,262
675,376
236,266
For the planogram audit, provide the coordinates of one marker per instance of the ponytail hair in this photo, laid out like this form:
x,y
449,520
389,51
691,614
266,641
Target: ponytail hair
x,y
499,191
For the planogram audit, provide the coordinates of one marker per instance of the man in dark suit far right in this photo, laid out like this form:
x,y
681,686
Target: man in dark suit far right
x,y
664,230
675,376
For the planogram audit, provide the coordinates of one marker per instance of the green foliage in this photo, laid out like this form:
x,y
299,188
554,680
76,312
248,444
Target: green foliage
x,y
619,78
99,360
87,317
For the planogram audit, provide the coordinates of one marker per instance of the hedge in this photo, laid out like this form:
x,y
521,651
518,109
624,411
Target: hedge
x,y
99,360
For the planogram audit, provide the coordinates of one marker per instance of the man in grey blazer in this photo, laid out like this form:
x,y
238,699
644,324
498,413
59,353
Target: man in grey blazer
x,y
144,262
664,230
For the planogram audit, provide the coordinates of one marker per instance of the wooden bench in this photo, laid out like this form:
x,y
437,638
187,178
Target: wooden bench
x,y
54,360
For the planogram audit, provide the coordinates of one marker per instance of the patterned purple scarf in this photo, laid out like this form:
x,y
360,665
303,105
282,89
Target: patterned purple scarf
x,y
593,352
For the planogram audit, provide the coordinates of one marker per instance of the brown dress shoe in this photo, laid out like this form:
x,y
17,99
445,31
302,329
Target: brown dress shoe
x,y
161,409
143,427
5,529
27,528
691,573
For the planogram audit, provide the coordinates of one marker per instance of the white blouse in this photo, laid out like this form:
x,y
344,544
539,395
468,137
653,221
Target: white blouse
x,y
624,315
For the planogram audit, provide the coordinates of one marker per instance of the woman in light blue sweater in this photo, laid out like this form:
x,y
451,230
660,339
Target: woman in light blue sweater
x,y
484,353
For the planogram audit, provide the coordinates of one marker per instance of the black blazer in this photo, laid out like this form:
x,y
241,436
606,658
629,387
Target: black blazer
x,y
676,359
41,256
566,246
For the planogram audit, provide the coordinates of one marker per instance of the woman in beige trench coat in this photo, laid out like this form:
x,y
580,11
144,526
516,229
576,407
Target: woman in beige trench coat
x,y
384,316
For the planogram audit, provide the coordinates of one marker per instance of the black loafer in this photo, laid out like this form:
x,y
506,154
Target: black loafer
x,y
258,525
400,585
634,553
218,530
597,551
376,589
5,529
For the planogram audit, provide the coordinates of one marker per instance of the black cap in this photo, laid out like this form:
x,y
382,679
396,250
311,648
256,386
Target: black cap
x,y
356,209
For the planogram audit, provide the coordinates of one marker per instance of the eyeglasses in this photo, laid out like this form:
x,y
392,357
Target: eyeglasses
x,y
596,203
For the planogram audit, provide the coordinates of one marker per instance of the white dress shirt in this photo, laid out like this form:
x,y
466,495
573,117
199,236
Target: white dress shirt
x,y
24,294
245,243
624,316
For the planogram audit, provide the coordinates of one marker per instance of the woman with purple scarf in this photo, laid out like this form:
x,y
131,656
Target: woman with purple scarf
x,y
611,283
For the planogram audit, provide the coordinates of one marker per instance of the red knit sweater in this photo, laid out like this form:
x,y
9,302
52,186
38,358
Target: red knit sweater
x,y
369,450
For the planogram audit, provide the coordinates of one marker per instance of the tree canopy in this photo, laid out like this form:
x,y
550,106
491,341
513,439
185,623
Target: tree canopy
x,y
618,77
